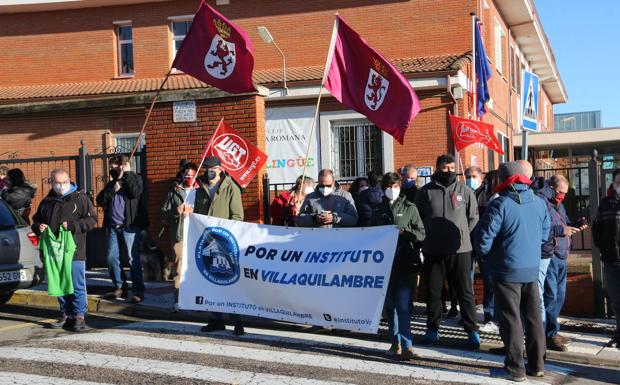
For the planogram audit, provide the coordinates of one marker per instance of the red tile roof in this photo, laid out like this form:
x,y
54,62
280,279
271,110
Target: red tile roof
x,y
182,81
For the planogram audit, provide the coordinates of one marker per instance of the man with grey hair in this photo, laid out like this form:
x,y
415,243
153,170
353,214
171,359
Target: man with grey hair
x,y
68,208
409,177
509,236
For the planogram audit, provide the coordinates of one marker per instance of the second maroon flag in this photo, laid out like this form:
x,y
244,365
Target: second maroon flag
x,y
362,79
217,52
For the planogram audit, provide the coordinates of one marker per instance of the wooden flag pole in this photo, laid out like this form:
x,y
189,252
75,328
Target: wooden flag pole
x,y
148,115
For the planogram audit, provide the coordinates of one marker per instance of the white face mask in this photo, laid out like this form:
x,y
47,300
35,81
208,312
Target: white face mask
x,y
392,193
61,188
308,190
326,190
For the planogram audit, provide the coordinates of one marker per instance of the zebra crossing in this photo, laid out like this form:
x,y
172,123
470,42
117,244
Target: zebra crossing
x,y
177,352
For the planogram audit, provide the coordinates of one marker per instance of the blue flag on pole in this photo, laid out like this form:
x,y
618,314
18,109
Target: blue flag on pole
x,y
483,74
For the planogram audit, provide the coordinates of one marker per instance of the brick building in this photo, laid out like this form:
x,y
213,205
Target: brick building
x,y
86,70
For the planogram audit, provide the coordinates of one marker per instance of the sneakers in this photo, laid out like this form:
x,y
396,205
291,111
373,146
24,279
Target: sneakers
x,y
118,293
79,325
408,354
490,327
431,338
213,326
59,323
239,330
503,373
394,350
473,340
556,343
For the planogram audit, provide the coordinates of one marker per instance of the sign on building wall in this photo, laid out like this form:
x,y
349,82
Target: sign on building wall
x,y
184,111
287,130
529,101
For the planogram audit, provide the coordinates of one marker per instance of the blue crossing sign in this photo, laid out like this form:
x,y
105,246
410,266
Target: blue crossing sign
x,y
529,101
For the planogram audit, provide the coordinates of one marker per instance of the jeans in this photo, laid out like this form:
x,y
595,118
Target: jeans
x,y
555,291
75,304
397,310
457,269
518,311
542,275
612,280
488,296
130,239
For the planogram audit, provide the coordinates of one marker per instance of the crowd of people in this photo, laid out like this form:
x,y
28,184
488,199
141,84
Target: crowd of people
x,y
512,225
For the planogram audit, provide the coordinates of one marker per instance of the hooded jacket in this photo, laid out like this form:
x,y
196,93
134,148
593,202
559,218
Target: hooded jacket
x,y
131,187
449,213
606,228
366,202
75,208
511,232
339,202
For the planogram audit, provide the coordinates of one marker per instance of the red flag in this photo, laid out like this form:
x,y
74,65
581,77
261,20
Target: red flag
x,y
467,131
217,52
240,158
362,79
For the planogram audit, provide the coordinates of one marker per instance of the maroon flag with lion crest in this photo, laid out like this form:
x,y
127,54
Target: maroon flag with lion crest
x,y
217,52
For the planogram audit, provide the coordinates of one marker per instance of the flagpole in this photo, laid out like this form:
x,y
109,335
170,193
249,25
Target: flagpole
x,y
330,54
473,65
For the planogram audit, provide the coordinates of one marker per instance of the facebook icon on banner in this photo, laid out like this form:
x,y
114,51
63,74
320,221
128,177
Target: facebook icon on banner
x,y
529,101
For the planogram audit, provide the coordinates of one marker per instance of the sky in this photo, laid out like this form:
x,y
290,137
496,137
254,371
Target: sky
x,y
585,38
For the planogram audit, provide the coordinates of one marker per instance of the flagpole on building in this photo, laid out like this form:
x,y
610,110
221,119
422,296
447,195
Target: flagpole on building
x,y
148,115
330,54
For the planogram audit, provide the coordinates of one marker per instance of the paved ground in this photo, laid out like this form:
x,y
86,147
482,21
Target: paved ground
x,y
127,350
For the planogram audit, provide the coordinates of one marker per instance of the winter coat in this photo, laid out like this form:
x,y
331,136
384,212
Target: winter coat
x,y
135,211
449,214
76,209
174,199
366,202
403,214
606,228
20,199
225,204
339,202
510,234
557,244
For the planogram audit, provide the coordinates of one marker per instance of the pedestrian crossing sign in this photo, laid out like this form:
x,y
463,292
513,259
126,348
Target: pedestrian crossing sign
x,y
529,102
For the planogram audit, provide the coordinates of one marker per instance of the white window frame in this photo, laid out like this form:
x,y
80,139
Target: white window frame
x,y
499,35
118,25
173,38
503,158
325,130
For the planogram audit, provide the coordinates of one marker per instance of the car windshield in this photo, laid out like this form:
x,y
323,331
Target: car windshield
x,y
7,220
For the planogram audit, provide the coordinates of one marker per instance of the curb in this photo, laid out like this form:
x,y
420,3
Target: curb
x,y
98,305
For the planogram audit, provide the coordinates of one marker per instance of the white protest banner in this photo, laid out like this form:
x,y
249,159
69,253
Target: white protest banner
x,y
326,277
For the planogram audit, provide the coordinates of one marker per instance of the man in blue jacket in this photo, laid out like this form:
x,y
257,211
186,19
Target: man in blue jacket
x,y
509,236
556,249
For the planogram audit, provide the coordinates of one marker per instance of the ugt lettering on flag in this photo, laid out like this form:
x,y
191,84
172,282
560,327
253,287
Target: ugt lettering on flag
x,y
240,158
365,81
217,52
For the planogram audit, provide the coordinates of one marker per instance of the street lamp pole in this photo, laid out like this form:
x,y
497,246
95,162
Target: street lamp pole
x,y
268,38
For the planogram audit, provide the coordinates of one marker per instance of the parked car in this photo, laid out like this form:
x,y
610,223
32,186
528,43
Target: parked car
x,y
20,264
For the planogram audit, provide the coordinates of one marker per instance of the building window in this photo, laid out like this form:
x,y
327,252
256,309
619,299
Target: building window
x,y
124,143
179,28
519,74
124,37
499,44
505,142
357,148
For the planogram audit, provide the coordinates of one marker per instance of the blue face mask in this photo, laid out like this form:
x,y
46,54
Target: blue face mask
x,y
473,183
408,183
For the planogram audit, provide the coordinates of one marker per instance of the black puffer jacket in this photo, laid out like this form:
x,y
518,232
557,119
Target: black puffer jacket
x,y
606,228
75,209
135,210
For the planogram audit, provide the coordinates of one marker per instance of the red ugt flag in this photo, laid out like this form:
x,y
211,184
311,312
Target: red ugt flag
x,y
467,131
217,52
240,158
362,79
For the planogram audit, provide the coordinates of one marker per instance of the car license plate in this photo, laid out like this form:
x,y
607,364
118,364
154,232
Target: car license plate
x,y
13,276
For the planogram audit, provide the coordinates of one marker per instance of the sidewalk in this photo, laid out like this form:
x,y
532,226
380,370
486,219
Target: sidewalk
x,y
588,347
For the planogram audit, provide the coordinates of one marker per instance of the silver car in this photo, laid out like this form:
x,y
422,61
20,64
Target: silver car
x,y
20,264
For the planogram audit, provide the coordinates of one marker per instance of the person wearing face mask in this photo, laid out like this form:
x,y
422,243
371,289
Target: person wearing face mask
x,y
218,196
557,249
328,205
409,176
396,209
171,212
606,236
450,212
124,217
368,199
67,207
286,206
473,180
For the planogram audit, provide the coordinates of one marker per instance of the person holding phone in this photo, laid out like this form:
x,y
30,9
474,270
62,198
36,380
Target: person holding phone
x,y
558,247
